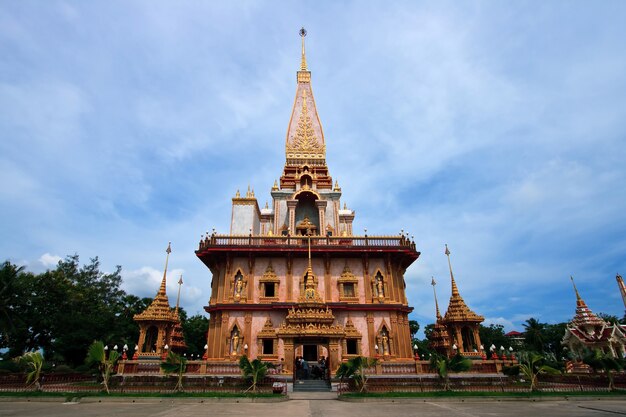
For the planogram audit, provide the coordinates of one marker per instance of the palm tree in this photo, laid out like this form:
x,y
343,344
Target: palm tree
x,y
356,368
33,362
97,355
531,365
175,364
254,370
599,360
444,365
534,334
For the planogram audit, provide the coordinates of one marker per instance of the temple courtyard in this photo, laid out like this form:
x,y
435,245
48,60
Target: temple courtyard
x,y
330,407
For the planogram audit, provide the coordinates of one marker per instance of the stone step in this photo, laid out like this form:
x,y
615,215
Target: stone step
x,y
311,385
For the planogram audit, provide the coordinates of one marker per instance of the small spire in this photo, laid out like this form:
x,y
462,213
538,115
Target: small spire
x,y
237,194
438,314
303,66
337,188
455,290
267,205
180,283
275,187
578,299
310,267
345,206
167,258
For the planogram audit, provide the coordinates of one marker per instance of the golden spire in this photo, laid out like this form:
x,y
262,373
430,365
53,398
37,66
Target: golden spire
x,y
303,66
578,299
167,258
455,290
180,283
310,266
275,187
438,314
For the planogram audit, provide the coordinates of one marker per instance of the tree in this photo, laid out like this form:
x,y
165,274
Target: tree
x,y
414,327
428,330
33,362
9,297
531,365
493,335
533,335
195,329
609,318
599,360
254,371
444,365
356,368
175,364
96,355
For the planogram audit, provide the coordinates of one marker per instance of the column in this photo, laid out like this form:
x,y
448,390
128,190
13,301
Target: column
x,y
371,334
291,207
289,357
321,210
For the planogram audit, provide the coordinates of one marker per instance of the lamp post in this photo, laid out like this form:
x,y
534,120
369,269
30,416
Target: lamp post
x,y
206,352
125,348
165,349
245,349
415,351
376,348
106,351
136,354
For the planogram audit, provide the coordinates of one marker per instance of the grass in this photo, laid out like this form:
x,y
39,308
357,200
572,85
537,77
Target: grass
x,y
460,394
27,394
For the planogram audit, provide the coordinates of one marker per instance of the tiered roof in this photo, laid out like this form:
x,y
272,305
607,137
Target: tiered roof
x,y
458,311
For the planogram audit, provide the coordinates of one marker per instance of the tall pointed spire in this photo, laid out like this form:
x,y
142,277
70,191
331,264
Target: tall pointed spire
x,y
164,280
455,290
303,66
622,288
438,314
180,283
578,299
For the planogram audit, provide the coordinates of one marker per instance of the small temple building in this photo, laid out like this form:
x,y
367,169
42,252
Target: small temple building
x,y
160,329
587,331
292,279
458,330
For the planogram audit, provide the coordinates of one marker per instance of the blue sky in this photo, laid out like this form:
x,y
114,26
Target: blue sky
x,y
498,128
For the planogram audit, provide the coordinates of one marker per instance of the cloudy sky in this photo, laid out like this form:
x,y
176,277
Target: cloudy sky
x,y
498,128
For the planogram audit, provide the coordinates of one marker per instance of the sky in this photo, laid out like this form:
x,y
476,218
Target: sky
x,y
498,128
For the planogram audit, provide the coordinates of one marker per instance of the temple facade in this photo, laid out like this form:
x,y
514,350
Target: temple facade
x,y
292,279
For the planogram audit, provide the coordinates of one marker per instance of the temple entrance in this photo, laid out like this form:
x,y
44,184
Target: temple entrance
x,y
311,359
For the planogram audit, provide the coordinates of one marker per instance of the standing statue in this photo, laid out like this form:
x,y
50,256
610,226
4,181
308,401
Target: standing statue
x,y
380,287
385,343
238,286
235,342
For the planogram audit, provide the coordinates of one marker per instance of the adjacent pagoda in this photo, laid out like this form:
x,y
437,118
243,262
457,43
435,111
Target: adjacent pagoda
x,y
457,331
159,324
439,338
588,331
291,279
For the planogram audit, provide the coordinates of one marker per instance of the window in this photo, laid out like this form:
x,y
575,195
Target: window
x,y
269,289
352,347
348,289
268,347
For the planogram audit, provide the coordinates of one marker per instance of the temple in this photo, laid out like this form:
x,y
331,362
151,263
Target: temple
x,y
291,279
159,325
457,331
587,331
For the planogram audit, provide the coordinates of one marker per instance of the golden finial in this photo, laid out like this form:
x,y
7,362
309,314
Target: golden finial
x,y
180,283
266,205
455,290
337,188
248,192
345,206
303,66
438,314
252,193
275,187
167,258
237,195
575,289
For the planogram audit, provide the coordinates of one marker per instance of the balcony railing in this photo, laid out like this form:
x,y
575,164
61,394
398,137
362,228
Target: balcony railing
x,y
214,240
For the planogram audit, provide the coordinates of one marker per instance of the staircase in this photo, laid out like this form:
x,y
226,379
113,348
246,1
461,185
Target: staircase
x,y
311,385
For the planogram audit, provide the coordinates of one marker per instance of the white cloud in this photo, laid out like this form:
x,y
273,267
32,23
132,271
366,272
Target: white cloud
x,y
49,261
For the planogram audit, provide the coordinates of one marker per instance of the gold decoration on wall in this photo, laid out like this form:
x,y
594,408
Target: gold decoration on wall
x,y
304,142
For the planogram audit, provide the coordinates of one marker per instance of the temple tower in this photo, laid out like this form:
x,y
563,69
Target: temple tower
x,y
292,280
159,325
461,323
588,331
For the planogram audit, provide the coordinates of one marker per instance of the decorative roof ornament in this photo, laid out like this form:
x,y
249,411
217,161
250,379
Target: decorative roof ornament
x,y
159,309
584,316
437,313
303,66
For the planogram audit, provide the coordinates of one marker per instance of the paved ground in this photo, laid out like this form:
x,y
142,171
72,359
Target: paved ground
x,y
318,408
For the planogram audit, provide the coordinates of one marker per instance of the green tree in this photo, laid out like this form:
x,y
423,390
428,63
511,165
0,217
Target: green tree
x,y
534,335
493,335
531,365
9,298
175,364
444,365
600,361
428,330
96,355
33,362
609,318
254,370
414,327
356,368
195,329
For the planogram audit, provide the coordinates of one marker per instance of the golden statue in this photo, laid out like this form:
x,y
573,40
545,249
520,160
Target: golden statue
x,y
235,342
